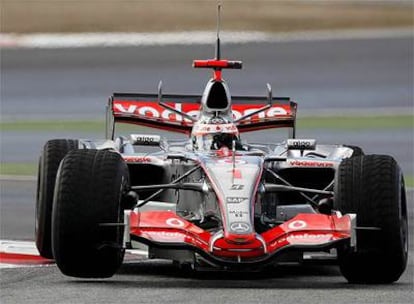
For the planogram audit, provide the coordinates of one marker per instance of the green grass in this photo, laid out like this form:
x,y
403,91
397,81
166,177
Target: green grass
x,y
70,125
409,181
335,122
29,169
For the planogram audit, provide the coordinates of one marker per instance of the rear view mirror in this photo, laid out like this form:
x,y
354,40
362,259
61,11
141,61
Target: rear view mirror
x,y
301,144
145,140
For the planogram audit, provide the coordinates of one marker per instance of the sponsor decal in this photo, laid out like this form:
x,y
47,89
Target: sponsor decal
x,y
301,144
201,129
153,110
137,159
310,236
311,163
174,222
274,111
236,187
237,161
278,241
145,139
297,225
238,213
165,234
302,236
235,200
239,227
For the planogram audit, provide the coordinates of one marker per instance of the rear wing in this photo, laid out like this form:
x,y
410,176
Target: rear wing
x,y
144,109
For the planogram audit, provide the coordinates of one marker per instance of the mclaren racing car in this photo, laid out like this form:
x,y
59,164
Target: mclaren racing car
x,y
213,201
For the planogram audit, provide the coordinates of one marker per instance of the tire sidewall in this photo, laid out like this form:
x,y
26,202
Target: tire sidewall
x,y
372,186
53,152
86,248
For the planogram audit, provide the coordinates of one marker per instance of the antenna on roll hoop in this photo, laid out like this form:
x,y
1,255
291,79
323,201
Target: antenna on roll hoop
x,y
217,64
218,32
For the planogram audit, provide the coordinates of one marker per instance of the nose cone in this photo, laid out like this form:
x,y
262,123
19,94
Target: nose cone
x,y
235,182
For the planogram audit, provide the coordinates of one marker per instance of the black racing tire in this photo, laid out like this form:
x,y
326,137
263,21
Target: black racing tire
x,y
89,189
357,150
53,153
373,188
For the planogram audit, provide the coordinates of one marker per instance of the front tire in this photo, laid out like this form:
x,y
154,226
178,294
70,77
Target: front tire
x,y
357,151
89,190
372,186
53,153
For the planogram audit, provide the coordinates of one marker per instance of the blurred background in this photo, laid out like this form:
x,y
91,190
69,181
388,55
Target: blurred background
x,y
349,65
63,16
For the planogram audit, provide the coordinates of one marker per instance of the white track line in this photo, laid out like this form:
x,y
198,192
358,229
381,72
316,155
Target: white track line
x,y
18,247
29,248
18,178
80,40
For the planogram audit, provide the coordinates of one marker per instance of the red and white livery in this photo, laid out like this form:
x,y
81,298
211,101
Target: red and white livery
x,y
212,200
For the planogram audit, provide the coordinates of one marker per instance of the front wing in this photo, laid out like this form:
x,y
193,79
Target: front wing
x,y
304,232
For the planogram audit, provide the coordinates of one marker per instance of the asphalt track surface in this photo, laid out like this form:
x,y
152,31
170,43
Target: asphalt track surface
x,y
147,281
75,83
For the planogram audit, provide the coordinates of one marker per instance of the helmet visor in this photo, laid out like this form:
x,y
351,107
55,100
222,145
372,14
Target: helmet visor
x,y
214,141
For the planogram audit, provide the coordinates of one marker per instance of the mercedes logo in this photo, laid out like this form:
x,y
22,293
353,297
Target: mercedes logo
x,y
239,227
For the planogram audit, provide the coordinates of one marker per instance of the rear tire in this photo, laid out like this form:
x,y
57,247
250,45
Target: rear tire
x,y
53,152
372,186
88,193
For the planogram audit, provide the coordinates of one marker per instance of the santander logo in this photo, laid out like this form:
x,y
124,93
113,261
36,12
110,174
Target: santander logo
x,y
153,110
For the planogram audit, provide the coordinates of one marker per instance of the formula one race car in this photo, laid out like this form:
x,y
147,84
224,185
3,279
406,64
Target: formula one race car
x,y
212,201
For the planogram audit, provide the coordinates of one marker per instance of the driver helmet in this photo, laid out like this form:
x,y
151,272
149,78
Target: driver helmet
x,y
207,136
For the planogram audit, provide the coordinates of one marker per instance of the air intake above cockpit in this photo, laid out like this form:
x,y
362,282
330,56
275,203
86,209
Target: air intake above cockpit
x,y
217,98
